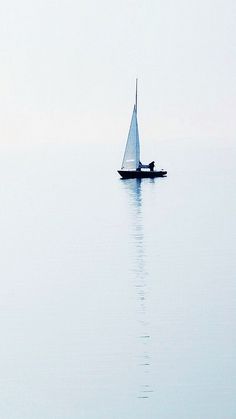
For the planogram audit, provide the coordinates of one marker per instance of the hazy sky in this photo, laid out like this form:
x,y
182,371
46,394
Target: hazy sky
x,y
68,69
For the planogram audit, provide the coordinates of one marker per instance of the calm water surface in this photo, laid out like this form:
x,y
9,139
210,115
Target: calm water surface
x,y
117,296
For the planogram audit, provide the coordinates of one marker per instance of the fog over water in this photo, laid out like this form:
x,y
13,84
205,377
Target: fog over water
x,y
117,296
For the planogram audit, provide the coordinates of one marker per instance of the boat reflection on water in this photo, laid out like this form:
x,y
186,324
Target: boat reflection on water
x,y
140,280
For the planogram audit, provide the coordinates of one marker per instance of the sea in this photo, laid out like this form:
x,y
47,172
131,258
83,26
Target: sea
x,y
118,297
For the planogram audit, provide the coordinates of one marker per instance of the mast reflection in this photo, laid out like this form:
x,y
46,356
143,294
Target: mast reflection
x,y
140,279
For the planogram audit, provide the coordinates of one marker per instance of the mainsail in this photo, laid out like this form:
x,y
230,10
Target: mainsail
x,y
132,150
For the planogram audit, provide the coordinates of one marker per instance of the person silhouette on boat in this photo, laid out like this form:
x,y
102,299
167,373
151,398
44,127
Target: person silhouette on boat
x,y
139,167
151,166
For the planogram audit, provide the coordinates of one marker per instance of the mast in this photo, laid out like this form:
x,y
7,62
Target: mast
x,y
136,96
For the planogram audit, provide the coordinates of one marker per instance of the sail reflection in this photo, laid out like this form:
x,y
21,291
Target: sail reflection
x,y
140,276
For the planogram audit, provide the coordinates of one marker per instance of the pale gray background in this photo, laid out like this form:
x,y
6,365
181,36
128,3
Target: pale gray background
x,y
117,298
68,69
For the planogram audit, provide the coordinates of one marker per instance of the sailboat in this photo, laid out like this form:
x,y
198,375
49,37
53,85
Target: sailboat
x,y
131,164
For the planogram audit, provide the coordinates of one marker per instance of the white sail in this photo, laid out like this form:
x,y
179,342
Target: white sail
x,y
132,150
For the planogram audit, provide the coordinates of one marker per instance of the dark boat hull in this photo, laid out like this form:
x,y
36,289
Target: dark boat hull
x,y
138,174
